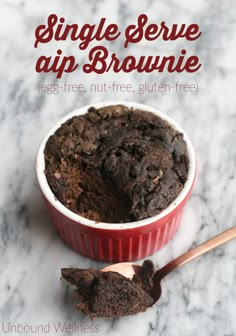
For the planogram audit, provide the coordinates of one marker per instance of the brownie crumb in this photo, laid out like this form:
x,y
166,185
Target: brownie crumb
x,y
110,294
116,164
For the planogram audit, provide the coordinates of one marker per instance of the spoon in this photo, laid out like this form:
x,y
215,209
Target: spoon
x,y
128,269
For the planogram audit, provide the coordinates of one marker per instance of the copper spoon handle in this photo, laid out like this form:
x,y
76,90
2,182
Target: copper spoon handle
x,y
197,251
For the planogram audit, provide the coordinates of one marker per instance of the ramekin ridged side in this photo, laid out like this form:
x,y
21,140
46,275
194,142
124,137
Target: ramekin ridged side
x,y
113,246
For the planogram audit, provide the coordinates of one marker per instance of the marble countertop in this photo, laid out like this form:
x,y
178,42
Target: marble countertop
x,y
199,298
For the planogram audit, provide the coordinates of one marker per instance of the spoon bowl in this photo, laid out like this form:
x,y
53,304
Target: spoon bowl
x,y
128,269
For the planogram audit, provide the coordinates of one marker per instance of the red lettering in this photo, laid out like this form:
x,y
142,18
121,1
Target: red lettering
x,y
100,63
87,33
174,33
131,31
86,36
151,32
114,64
56,64
147,63
192,64
111,33
112,29
152,29
61,35
129,64
192,30
44,34
97,57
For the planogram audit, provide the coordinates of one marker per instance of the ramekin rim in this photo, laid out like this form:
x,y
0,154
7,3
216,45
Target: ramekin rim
x,y
54,202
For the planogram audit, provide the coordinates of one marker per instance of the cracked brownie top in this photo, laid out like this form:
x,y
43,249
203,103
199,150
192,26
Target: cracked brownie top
x,y
116,164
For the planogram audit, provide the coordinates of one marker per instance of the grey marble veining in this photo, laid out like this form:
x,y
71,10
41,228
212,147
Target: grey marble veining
x,y
198,299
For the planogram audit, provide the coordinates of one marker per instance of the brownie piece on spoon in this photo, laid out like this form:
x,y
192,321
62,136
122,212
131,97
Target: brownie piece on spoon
x,y
110,294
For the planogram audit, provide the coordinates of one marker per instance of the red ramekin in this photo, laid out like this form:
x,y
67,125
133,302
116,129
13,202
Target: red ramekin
x,y
114,242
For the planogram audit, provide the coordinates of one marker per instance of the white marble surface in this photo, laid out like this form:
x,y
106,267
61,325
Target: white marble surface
x,y
200,298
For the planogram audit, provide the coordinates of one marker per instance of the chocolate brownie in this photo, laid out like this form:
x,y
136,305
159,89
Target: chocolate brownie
x,y
110,294
116,164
